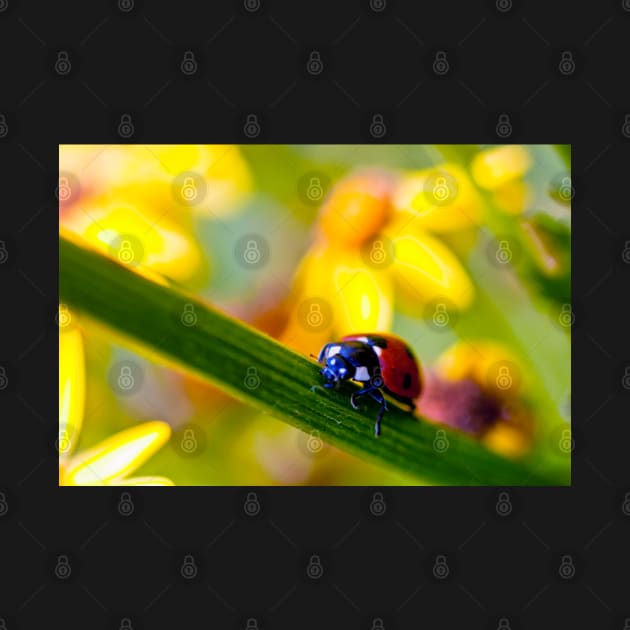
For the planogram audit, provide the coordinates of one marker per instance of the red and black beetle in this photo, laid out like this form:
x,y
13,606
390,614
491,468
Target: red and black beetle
x,y
383,362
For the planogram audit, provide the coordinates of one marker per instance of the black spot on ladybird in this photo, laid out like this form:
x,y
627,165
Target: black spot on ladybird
x,y
407,381
409,353
379,342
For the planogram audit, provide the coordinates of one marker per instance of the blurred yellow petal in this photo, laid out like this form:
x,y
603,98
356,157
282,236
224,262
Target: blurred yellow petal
x,y
117,455
336,292
150,174
137,237
494,167
71,389
508,440
488,363
177,158
425,270
512,197
311,319
440,199
145,481
357,208
362,297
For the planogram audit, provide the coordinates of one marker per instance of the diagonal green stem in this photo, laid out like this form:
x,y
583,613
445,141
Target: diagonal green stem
x,y
225,351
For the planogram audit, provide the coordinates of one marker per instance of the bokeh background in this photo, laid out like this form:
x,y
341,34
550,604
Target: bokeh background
x,y
464,251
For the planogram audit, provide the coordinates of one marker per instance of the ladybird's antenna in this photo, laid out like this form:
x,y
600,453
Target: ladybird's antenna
x,y
312,356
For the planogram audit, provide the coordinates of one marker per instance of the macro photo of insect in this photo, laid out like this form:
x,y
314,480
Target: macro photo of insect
x,y
258,315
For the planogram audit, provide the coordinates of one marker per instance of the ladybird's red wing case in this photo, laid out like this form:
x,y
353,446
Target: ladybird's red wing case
x,y
399,365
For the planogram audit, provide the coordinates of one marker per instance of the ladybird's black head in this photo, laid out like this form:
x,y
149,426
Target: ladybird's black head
x,y
336,370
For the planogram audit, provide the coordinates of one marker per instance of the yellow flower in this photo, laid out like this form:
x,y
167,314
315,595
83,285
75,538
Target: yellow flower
x,y
500,171
159,175
439,199
494,167
372,246
134,236
477,386
110,461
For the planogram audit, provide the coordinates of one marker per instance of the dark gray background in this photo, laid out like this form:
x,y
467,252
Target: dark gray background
x,y
499,62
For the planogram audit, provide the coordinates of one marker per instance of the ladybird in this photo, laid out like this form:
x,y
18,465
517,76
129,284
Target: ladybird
x,y
382,362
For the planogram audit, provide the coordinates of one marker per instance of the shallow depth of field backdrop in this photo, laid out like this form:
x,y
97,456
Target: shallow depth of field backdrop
x,y
464,251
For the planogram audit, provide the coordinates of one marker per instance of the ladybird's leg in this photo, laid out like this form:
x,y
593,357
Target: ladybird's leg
x,y
377,395
355,395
